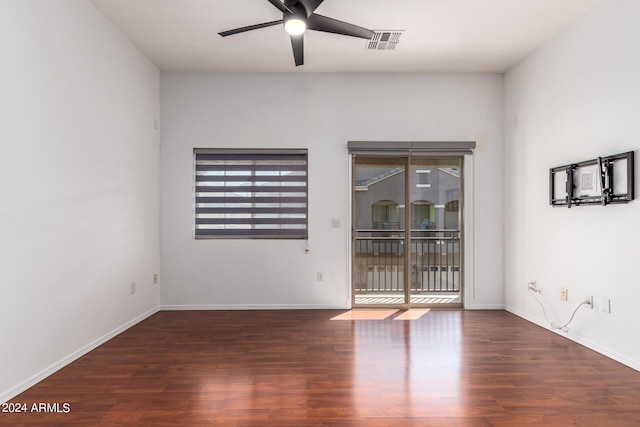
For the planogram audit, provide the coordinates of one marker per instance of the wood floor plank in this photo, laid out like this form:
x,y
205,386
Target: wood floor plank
x,y
301,368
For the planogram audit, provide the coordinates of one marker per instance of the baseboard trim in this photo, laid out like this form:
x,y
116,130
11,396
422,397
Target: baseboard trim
x,y
634,364
484,307
186,307
177,307
30,382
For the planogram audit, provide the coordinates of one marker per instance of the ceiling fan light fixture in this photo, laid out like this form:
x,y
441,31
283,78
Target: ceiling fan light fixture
x,y
295,26
299,16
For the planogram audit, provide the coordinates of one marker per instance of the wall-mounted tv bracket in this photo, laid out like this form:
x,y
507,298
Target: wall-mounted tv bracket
x,y
601,181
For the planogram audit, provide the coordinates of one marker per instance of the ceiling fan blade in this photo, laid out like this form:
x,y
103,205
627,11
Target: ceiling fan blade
x,y
249,28
330,25
310,5
297,43
280,6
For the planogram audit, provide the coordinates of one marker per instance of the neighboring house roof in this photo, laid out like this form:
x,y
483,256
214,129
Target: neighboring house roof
x,y
365,183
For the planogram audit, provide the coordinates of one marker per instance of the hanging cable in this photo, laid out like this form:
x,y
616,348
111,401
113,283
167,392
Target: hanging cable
x,y
554,325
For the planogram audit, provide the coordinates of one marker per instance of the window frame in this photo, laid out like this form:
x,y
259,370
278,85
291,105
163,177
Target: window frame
x,y
218,213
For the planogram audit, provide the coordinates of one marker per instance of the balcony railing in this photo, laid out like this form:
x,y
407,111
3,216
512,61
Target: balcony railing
x,y
434,261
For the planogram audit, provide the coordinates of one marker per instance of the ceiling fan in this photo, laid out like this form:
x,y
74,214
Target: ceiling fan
x,y
298,16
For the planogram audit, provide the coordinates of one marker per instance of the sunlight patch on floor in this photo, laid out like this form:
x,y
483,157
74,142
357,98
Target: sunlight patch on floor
x,y
412,314
382,314
366,314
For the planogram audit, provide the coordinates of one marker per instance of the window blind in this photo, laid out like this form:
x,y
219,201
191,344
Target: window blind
x,y
412,147
250,194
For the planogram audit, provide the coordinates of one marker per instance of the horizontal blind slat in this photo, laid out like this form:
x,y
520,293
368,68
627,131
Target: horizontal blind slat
x,y
251,178
200,167
275,234
254,210
251,221
249,189
232,157
251,200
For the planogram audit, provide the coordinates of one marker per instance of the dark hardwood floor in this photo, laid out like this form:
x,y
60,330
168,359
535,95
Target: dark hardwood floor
x,y
301,368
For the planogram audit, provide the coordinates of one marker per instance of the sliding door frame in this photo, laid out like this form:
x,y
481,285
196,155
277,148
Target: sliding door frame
x,y
457,151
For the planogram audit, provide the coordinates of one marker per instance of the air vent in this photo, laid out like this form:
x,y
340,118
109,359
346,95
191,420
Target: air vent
x,y
384,40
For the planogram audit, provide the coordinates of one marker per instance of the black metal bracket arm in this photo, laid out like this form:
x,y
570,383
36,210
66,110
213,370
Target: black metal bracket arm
x,y
605,167
569,187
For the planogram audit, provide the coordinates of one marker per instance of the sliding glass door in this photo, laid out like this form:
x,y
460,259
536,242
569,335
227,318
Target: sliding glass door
x,y
407,231
379,219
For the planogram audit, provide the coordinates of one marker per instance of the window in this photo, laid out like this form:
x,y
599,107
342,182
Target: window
x,y
422,178
250,194
386,215
423,214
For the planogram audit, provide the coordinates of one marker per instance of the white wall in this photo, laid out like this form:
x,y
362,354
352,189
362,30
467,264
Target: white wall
x,y
319,112
79,186
576,98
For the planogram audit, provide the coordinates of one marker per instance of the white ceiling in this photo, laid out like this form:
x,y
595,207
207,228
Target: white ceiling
x,y
439,35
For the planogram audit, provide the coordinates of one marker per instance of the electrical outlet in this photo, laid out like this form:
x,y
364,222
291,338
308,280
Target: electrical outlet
x,y
132,287
564,294
320,276
533,286
155,278
589,301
